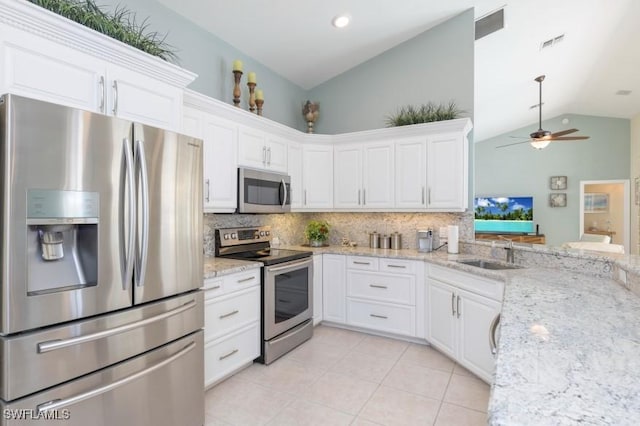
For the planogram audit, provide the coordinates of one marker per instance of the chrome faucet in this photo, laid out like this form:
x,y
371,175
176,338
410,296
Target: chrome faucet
x,y
508,247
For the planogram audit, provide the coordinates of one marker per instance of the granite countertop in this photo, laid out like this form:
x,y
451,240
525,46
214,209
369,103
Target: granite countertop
x,y
218,266
569,348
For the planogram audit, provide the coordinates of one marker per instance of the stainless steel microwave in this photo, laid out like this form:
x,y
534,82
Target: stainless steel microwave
x,y
263,192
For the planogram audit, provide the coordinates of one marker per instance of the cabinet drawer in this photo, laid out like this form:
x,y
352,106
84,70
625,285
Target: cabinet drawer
x,y
383,317
227,313
362,262
222,357
225,284
475,284
382,287
398,266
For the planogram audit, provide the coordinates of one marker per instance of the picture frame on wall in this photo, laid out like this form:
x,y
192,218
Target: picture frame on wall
x,y
558,182
595,202
558,199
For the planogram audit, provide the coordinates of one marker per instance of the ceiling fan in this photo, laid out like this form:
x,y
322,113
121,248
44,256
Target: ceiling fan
x,y
541,138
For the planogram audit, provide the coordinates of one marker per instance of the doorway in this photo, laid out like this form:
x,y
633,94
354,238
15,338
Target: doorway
x,y
605,209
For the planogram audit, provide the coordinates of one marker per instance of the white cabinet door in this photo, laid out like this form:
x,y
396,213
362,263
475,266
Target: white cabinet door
x,y
191,122
476,315
441,325
317,177
347,177
294,169
411,173
135,96
333,288
276,154
378,176
446,175
38,68
220,168
252,148
317,289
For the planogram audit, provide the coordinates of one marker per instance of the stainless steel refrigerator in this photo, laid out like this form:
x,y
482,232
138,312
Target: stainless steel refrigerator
x,y
100,315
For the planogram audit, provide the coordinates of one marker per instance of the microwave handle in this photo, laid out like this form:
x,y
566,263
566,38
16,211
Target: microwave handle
x,y
284,190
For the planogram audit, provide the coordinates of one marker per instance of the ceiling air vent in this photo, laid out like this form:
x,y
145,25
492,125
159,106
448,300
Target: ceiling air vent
x,y
490,23
551,42
623,92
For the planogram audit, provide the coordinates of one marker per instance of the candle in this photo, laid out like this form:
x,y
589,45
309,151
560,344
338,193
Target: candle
x,y
251,78
237,65
259,94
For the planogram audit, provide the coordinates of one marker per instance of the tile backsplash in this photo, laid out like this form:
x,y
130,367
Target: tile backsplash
x,y
289,227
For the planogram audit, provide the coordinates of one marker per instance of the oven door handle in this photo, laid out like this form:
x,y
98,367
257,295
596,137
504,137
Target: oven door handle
x,y
288,265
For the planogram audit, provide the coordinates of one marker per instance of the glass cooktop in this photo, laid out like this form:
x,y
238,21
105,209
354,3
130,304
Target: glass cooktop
x,y
270,256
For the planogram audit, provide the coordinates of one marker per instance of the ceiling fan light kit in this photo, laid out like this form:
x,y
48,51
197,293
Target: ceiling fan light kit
x,y
541,138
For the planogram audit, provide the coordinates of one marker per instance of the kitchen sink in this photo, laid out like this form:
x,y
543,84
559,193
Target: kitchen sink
x,y
485,264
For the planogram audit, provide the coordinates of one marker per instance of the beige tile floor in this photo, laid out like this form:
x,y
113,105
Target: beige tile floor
x,y
342,377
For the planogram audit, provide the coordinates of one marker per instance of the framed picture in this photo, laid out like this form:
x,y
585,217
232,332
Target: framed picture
x,y
595,202
558,199
558,182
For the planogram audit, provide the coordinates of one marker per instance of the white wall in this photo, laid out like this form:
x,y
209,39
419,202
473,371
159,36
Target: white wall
x,y
635,174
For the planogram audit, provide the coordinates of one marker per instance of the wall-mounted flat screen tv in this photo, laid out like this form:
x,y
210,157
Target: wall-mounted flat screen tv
x,y
504,215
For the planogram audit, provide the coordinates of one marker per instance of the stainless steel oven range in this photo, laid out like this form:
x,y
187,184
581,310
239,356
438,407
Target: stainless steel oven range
x,y
287,287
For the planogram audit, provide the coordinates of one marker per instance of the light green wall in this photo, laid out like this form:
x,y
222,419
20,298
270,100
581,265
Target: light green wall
x,y
436,66
211,58
521,170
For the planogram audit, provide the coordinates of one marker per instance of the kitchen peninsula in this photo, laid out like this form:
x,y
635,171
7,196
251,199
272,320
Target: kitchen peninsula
x,y
569,340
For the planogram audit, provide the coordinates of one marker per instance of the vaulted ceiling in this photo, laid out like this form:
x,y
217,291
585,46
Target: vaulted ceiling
x,y
597,57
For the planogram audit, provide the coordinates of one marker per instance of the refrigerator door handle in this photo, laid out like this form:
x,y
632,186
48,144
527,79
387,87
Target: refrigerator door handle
x,y
144,192
130,248
53,345
57,404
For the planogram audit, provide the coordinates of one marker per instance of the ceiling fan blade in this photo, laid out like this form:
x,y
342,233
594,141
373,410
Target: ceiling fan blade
x,y
570,138
511,144
563,132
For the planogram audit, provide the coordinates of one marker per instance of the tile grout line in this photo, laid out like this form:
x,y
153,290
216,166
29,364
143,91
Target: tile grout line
x,y
443,397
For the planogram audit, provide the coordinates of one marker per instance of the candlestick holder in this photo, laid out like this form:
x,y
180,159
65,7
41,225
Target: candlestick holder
x,y
237,75
252,96
259,103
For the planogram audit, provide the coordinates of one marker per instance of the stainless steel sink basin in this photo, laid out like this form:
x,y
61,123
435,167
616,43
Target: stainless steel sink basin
x,y
485,264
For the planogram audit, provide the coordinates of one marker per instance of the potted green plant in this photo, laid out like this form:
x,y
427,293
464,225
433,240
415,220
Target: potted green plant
x,y
317,232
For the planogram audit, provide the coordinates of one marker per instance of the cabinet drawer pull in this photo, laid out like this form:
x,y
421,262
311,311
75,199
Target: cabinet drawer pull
x,y
229,314
377,316
397,266
228,355
215,287
361,263
244,280
377,286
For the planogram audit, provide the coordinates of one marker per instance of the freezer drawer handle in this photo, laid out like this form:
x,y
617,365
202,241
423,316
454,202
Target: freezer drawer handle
x,y
57,404
53,345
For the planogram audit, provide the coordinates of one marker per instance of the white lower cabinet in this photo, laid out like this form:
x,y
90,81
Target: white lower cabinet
x,y
461,308
231,324
333,288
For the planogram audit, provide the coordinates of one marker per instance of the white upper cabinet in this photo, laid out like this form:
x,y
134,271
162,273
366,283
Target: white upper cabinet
x,y
411,173
364,176
294,155
55,60
317,177
260,150
447,171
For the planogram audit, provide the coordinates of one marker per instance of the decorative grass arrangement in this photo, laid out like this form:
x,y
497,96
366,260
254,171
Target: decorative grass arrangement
x,y
120,25
428,113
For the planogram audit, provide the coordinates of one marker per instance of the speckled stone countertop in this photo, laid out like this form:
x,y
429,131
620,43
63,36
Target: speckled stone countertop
x,y
218,266
569,348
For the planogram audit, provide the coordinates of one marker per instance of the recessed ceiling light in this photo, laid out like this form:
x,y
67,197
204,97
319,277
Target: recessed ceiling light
x,y
341,21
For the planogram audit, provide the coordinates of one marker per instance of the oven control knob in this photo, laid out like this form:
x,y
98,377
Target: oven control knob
x,y
234,236
267,233
226,236
262,233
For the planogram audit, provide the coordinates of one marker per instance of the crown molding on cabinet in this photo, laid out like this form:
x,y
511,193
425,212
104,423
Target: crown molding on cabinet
x,y
36,20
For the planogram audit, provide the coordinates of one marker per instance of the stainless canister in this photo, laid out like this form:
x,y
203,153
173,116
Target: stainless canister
x,y
374,240
385,242
396,241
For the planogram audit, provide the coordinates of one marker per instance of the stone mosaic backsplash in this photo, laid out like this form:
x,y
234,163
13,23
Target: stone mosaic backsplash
x,y
289,227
